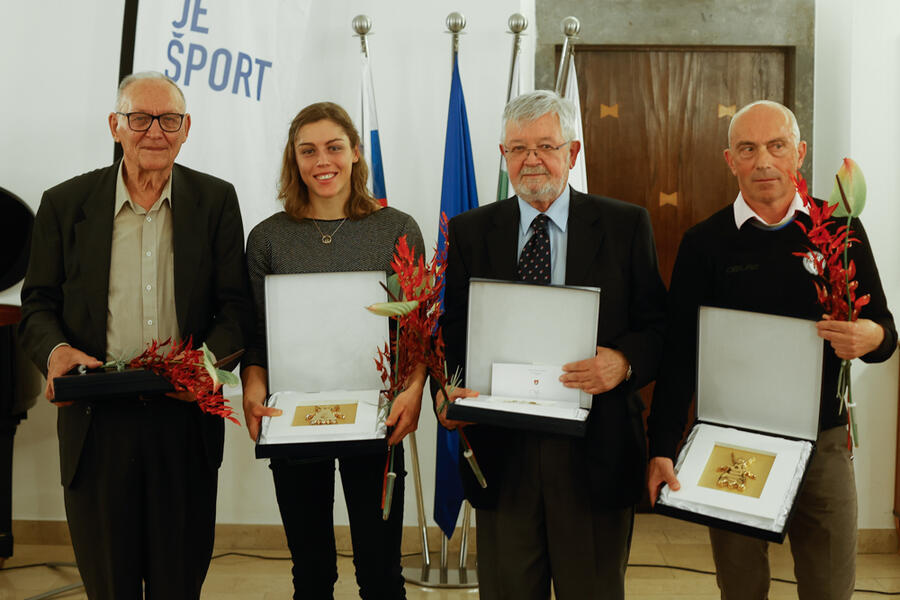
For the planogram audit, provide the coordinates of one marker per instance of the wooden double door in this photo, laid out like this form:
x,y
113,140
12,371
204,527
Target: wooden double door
x,y
656,122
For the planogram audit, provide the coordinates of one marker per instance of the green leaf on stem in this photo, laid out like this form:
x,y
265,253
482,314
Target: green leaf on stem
x,y
393,287
217,375
393,309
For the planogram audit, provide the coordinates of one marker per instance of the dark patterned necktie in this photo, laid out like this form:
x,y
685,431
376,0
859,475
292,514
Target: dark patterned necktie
x,y
534,262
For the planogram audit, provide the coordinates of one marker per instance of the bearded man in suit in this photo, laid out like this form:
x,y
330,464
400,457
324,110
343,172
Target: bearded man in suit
x,y
137,251
559,508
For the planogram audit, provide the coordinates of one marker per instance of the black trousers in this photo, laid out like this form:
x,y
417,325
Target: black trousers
x,y
305,492
142,506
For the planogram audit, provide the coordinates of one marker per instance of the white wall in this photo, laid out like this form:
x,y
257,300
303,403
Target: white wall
x,y
857,90
60,64
61,81
53,132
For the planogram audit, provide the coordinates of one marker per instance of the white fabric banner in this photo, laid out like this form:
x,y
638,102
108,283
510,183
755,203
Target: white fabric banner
x,y
247,68
578,173
240,66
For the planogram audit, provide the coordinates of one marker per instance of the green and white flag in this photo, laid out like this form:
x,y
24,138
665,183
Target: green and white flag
x,y
503,188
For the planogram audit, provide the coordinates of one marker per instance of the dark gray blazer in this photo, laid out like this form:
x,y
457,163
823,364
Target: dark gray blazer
x,y
610,246
64,297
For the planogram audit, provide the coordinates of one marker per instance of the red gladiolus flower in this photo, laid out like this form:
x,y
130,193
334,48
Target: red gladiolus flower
x,y
828,253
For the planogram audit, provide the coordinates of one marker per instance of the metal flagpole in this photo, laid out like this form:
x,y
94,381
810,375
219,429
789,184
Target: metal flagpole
x,y
517,24
418,570
570,26
362,24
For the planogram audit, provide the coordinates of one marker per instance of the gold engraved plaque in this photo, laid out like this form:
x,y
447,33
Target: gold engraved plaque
x,y
737,470
325,414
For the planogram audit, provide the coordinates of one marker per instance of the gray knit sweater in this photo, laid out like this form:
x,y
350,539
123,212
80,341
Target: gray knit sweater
x,y
280,244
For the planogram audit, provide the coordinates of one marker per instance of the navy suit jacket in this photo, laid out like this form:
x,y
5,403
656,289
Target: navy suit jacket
x,y
64,297
610,246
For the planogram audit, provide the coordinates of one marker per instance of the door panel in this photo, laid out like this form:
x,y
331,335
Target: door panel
x,y
656,122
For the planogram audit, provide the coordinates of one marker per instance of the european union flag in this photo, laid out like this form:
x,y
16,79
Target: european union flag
x,y
458,194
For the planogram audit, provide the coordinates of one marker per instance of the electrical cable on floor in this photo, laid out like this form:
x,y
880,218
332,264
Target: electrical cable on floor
x,y
350,555
340,553
778,579
51,565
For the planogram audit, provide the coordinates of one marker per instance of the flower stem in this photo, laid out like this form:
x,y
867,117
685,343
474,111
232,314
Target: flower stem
x,y
468,453
470,458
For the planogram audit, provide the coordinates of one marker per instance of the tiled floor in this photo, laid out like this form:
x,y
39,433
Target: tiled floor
x,y
657,541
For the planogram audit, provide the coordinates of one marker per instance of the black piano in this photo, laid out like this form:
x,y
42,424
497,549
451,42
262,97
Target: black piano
x,y
16,221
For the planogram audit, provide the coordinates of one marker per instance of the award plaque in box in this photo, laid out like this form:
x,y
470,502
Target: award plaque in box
x,y
518,338
321,342
758,385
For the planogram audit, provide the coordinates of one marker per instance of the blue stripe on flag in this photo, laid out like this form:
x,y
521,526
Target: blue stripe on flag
x,y
458,194
378,189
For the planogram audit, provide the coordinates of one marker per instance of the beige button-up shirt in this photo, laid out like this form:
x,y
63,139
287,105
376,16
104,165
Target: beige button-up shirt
x,y
141,303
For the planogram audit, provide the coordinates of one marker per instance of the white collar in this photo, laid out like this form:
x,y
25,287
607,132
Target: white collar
x,y
743,212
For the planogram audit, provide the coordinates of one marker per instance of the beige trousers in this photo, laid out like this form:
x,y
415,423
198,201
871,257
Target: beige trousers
x,y
822,535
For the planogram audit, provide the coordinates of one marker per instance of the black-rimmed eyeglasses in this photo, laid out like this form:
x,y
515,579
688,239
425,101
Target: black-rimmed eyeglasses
x,y
141,121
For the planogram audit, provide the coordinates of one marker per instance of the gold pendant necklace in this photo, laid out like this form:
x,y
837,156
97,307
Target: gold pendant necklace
x,y
326,238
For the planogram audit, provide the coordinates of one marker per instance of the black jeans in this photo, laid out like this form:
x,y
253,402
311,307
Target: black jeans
x,y
305,492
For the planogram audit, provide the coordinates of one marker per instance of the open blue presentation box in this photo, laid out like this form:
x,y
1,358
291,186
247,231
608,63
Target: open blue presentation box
x,y
759,382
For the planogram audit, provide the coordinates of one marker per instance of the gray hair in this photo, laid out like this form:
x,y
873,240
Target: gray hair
x,y
121,98
795,129
534,105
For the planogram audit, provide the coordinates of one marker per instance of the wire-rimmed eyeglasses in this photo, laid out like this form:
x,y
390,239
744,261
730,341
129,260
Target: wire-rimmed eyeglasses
x,y
541,151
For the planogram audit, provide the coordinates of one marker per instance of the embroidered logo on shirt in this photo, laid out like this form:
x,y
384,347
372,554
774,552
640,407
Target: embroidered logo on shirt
x,y
742,268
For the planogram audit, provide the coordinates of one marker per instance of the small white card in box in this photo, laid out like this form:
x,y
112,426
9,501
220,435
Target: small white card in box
x,y
321,342
518,337
758,390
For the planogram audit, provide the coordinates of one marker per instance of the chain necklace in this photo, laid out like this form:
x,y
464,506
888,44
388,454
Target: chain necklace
x,y
326,238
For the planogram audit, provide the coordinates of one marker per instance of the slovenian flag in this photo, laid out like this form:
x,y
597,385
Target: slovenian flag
x,y
458,194
515,88
578,173
369,133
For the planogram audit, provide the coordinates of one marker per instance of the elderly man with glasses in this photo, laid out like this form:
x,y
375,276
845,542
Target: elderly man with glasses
x,y
138,251
559,509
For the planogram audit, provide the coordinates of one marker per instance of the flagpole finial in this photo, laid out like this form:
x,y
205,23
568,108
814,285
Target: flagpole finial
x,y
571,26
456,22
362,24
517,23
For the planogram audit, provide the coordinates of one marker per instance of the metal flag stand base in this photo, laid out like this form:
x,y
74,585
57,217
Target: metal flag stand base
x,y
419,569
61,590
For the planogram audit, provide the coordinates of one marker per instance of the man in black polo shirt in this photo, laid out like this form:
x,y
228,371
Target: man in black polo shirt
x,y
743,257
